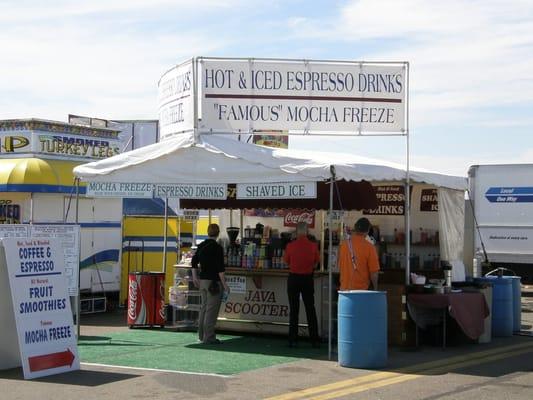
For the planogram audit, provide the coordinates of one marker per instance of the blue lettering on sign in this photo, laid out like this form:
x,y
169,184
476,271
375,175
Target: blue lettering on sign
x,y
523,194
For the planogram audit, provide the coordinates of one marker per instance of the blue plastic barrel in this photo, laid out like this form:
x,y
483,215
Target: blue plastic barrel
x,y
502,305
517,302
362,327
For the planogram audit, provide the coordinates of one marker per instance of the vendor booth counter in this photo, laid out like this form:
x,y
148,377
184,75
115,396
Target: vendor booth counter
x,y
258,302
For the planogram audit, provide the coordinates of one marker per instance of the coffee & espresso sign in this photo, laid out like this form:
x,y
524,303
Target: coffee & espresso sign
x,y
283,190
391,200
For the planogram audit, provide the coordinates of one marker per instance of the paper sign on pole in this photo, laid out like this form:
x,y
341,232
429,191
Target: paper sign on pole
x,y
236,283
41,306
191,215
69,236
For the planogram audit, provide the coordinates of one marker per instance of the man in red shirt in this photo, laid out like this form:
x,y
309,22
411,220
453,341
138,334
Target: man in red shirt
x,y
302,256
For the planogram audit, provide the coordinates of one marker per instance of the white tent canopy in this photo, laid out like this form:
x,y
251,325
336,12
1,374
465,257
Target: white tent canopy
x,y
219,159
185,159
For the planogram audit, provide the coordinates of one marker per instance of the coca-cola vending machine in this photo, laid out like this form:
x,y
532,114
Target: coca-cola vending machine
x,y
146,299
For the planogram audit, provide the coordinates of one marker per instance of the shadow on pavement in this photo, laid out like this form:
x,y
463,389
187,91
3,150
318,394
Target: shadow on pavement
x,y
116,318
265,346
78,378
108,341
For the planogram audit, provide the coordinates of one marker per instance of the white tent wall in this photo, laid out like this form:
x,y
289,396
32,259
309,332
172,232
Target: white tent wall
x,y
451,225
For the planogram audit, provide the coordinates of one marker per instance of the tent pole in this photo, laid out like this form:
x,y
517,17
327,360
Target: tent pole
x,y
241,224
78,298
165,238
178,227
407,219
31,208
330,259
195,98
407,191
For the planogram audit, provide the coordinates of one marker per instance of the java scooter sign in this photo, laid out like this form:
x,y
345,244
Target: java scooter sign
x,y
314,96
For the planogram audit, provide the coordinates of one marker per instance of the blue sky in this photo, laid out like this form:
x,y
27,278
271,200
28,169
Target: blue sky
x,y
471,63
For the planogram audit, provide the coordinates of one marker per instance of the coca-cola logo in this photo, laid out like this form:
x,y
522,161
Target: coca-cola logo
x,y
162,310
132,306
162,303
292,218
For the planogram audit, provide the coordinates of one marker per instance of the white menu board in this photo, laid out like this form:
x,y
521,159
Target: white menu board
x,y
41,306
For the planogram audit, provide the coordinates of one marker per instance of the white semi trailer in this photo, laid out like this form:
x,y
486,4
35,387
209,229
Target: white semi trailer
x,y
500,220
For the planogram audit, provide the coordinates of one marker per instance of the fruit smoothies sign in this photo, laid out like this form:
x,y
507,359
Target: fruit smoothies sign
x,y
41,305
391,200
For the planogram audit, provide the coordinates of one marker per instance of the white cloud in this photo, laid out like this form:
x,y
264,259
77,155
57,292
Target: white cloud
x,y
62,65
17,11
459,164
464,55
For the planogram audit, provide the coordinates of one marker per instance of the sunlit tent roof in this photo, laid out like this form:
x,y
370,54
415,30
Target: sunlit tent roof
x,y
222,160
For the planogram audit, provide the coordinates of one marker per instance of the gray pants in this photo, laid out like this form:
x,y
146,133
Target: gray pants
x,y
208,312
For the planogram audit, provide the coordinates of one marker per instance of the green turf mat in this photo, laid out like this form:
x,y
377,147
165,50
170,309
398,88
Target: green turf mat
x,y
180,351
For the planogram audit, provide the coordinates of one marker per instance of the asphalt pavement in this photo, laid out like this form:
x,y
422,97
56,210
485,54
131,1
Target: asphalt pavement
x,y
502,369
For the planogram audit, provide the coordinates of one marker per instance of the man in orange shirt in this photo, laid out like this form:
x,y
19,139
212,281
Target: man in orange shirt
x,y
301,255
358,260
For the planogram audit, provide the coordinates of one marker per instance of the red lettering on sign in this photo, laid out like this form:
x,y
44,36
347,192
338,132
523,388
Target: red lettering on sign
x,y
292,217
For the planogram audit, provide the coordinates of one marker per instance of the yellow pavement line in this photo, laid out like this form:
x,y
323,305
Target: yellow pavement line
x,y
331,386
408,377
395,373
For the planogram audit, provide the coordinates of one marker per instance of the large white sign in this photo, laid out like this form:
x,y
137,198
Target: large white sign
x,y
246,95
41,306
176,100
284,190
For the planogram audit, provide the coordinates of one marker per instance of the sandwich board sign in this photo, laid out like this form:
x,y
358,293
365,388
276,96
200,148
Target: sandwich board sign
x,y
35,308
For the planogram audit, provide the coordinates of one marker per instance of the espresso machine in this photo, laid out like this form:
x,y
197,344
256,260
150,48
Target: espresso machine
x,y
234,251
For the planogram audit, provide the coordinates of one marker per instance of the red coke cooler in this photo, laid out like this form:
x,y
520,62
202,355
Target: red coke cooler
x,y
146,299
